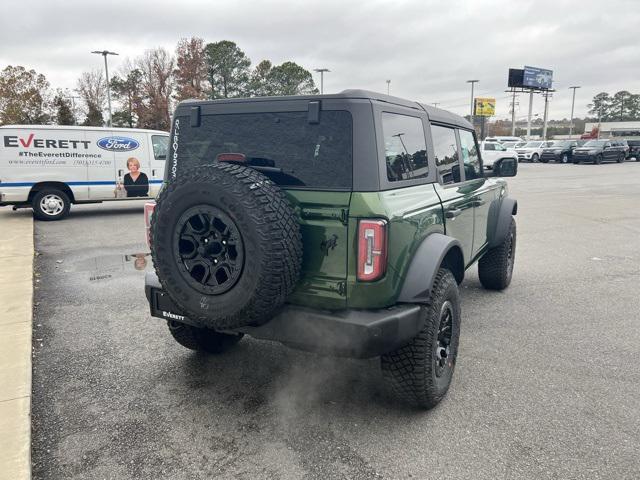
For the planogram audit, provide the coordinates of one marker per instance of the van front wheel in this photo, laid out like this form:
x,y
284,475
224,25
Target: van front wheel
x,y
50,205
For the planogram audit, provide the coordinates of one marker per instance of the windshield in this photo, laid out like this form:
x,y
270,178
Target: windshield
x,y
559,143
533,144
511,144
595,143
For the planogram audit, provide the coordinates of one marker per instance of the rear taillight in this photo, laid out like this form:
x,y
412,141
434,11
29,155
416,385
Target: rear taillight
x,y
372,249
148,212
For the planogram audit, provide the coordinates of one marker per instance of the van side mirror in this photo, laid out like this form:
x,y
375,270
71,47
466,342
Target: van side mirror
x,y
507,167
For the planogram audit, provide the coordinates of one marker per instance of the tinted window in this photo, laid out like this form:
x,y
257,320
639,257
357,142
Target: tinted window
x,y
490,146
284,146
446,153
405,148
160,146
470,156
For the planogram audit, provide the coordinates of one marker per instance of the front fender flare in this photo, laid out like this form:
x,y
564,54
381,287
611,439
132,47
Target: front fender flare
x,y
425,265
500,220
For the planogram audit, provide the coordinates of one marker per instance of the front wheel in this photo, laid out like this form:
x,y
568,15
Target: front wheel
x,y
50,204
535,157
565,158
202,339
598,159
620,158
495,268
420,373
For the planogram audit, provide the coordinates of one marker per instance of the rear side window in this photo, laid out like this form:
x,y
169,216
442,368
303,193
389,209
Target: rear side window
x,y
284,146
446,152
405,147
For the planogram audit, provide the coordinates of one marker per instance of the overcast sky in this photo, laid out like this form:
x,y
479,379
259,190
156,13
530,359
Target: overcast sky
x,y
428,49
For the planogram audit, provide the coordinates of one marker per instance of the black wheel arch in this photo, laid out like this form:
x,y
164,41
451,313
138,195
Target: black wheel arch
x,y
500,214
436,251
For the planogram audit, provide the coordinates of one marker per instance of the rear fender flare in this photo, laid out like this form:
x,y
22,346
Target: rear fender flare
x,y
435,250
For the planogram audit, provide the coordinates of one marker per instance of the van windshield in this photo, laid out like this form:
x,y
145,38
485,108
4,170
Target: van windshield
x,y
284,146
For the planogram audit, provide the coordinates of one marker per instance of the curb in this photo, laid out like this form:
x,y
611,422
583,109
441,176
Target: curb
x,y
16,314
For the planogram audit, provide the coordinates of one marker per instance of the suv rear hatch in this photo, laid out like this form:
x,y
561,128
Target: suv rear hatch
x,y
311,160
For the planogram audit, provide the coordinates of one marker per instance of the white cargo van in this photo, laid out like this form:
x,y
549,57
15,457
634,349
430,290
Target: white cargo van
x,y
50,167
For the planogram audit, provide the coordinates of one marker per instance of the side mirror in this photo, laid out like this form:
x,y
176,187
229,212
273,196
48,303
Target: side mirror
x,y
507,167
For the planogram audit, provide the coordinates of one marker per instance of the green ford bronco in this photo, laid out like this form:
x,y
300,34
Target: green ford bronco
x,y
341,224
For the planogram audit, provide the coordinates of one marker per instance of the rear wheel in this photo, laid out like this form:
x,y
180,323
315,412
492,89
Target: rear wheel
x,y
420,373
202,339
50,204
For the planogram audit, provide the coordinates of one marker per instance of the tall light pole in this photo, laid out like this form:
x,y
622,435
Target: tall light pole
x,y
388,83
104,53
321,72
573,102
472,82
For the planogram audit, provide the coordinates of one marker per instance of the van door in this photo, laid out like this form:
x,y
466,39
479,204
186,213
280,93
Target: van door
x,y
130,155
100,170
157,158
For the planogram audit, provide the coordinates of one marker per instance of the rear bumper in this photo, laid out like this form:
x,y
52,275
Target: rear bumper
x,y
347,333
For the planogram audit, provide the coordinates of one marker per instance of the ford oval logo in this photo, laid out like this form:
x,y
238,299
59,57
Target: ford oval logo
x,y
118,144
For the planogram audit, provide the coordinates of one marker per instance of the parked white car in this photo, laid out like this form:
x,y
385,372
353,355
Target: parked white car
x,y
514,145
49,167
503,139
532,151
493,152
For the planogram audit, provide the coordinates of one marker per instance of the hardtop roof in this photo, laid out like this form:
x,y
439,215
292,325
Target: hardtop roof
x,y
434,114
79,127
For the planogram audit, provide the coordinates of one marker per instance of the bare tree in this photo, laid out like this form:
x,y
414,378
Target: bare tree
x,y
156,67
92,88
191,69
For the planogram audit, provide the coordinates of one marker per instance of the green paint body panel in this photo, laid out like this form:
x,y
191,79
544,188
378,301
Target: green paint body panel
x,y
329,274
325,237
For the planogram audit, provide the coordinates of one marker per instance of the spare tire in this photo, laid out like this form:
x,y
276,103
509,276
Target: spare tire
x,y
226,245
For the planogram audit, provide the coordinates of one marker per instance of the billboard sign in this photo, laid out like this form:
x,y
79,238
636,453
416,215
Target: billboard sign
x,y
535,77
484,107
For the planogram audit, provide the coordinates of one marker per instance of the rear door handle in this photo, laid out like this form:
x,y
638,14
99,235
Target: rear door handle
x,y
451,214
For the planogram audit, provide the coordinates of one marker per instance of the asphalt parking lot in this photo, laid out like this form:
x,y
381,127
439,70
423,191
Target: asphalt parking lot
x,y
546,386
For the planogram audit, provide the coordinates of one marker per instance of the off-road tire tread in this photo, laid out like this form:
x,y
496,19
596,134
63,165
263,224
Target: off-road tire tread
x,y
268,207
408,370
202,339
493,265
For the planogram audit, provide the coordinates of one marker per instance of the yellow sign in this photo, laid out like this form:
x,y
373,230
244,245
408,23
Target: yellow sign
x,y
484,107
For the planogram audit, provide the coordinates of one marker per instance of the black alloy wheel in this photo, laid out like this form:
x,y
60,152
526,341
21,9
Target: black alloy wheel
x,y
443,342
209,250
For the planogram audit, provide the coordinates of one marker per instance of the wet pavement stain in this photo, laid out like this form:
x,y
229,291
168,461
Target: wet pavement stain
x,y
105,267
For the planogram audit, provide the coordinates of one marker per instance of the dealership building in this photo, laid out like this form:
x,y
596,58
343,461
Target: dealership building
x,y
615,129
